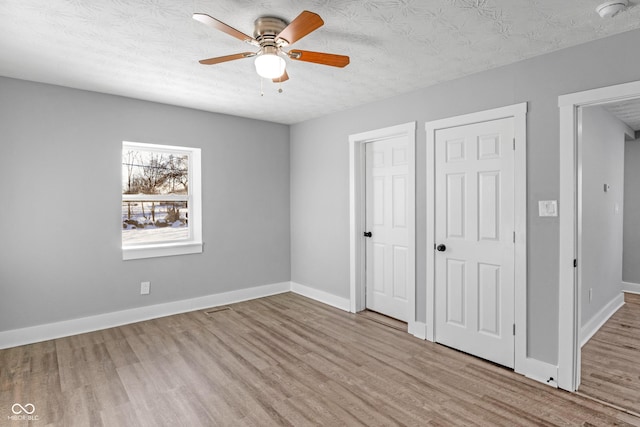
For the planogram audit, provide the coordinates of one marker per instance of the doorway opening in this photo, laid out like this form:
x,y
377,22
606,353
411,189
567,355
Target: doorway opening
x,y
572,333
382,222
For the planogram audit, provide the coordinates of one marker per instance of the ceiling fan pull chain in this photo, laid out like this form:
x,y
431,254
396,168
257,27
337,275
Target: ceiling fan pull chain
x,y
261,86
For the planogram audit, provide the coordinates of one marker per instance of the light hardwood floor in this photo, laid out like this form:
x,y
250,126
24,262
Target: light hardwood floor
x,y
611,359
281,360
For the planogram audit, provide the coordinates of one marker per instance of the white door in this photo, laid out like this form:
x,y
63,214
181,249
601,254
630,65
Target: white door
x,y
474,232
387,250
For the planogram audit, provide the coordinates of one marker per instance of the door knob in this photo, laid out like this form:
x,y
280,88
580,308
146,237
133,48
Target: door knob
x,y
367,234
441,247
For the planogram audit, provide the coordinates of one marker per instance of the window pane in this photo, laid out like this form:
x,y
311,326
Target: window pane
x,y
154,222
154,172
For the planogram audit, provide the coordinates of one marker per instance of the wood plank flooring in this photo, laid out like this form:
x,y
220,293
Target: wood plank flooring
x,y
281,360
384,320
611,359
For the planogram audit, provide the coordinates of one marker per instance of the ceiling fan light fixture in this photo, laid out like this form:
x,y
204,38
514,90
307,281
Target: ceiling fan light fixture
x,y
272,34
610,9
270,65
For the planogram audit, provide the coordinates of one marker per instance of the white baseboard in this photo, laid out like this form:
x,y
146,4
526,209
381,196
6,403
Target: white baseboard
x,y
321,296
600,318
532,368
634,288
540,371
33,334
418,330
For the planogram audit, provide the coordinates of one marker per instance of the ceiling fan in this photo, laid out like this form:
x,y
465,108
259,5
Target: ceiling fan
x,y
272,35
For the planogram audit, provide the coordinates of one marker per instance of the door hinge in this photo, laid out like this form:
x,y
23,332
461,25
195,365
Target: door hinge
x,y
514,329
514,237
575,263
514,143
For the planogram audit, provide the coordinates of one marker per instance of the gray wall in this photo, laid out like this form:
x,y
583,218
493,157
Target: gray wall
x,y
60,154
631,248
320,180
602,149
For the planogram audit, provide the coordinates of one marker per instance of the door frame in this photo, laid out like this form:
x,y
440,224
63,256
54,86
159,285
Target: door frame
x,y
569,295
519,113
357,211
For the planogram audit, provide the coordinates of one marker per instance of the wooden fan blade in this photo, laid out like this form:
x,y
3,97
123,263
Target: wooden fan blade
x,y
319,58
226,58
282,78
305,23
221,26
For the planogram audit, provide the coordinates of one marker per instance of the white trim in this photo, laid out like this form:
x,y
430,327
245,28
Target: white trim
x,y
152,251
430,179
32,334
567,247
630,287
569,292
629,133
479,116
155,197
600,318
418,330
520,218
192,245
541,371
321,296
601,95
145,146
65,328
519,113
356,227
357,214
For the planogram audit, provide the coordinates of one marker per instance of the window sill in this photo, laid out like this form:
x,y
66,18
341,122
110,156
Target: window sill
x,y
154,251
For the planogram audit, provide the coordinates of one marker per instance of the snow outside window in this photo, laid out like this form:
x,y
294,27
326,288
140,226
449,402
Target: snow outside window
x,y
161,201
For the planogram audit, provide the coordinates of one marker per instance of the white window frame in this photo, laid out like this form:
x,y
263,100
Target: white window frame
x,y
193,244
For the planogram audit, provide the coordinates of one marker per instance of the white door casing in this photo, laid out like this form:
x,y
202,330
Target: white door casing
x,y
357,222
569,354
474,263
530,367
387,250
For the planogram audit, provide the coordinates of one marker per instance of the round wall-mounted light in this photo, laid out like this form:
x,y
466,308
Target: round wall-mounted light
x,y
610,9
270,65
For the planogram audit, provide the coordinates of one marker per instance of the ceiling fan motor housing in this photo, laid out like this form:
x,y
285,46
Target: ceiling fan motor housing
x,y
267,29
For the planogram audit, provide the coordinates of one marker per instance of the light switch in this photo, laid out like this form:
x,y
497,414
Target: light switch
x,y
547,208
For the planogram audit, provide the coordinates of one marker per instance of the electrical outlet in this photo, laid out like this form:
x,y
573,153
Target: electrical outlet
x,y
145,288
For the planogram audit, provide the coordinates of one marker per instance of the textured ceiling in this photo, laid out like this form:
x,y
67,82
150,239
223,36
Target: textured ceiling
x,y
627,111
148,49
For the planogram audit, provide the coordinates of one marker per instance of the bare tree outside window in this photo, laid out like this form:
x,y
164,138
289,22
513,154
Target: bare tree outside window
x,y
155,196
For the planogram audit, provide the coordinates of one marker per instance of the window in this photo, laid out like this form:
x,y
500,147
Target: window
x,y
161,213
